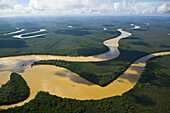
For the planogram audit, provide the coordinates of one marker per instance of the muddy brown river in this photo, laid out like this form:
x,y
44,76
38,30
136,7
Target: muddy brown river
x,y
64,83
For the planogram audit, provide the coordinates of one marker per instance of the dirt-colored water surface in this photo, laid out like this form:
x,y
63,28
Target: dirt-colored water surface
x,y
62,82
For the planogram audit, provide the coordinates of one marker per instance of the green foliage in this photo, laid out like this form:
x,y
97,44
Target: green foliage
x,y
151,94
101,73
84,39
94,72
44,102
73,32
12,43
15,90
148,96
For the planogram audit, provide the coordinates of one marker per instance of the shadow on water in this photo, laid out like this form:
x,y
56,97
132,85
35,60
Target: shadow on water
x,y
34,36
121,81
130,57
2,66
74,78
19,67
136,69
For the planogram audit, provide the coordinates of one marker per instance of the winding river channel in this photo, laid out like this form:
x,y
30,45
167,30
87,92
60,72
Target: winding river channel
x,y
64,83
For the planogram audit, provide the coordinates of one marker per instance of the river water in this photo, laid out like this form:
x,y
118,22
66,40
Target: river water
x,y
62,82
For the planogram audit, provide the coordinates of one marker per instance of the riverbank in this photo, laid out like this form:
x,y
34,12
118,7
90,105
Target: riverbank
x,y
82,88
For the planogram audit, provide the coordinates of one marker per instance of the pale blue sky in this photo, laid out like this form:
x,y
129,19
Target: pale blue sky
x,y
111,7
24,2
27,1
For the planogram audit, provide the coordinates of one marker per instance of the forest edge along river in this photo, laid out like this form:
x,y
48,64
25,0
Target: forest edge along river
x,y
64,83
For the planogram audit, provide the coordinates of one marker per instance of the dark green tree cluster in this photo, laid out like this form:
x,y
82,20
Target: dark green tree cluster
x,y
15,90
151,95
97,78
101,73
46,103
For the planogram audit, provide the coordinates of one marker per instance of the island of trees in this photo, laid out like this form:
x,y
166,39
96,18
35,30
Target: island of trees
x,y
14,91
151,94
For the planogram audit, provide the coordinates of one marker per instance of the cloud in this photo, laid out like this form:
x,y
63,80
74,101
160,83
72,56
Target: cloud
x,y
6,4
67,6
82,7
164,8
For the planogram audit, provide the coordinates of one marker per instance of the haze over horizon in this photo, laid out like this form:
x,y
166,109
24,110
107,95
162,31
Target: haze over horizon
x,y
84,7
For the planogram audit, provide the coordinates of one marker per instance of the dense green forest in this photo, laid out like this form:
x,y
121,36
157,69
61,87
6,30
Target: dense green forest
x,y
62,40
151,94
82,69
148,39
101,73
84,38
86,35
14,91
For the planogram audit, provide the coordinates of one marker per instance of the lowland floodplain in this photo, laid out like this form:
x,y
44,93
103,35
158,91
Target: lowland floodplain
x,y
84,36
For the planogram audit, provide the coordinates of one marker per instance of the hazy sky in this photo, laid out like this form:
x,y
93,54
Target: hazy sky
x,y
71,7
